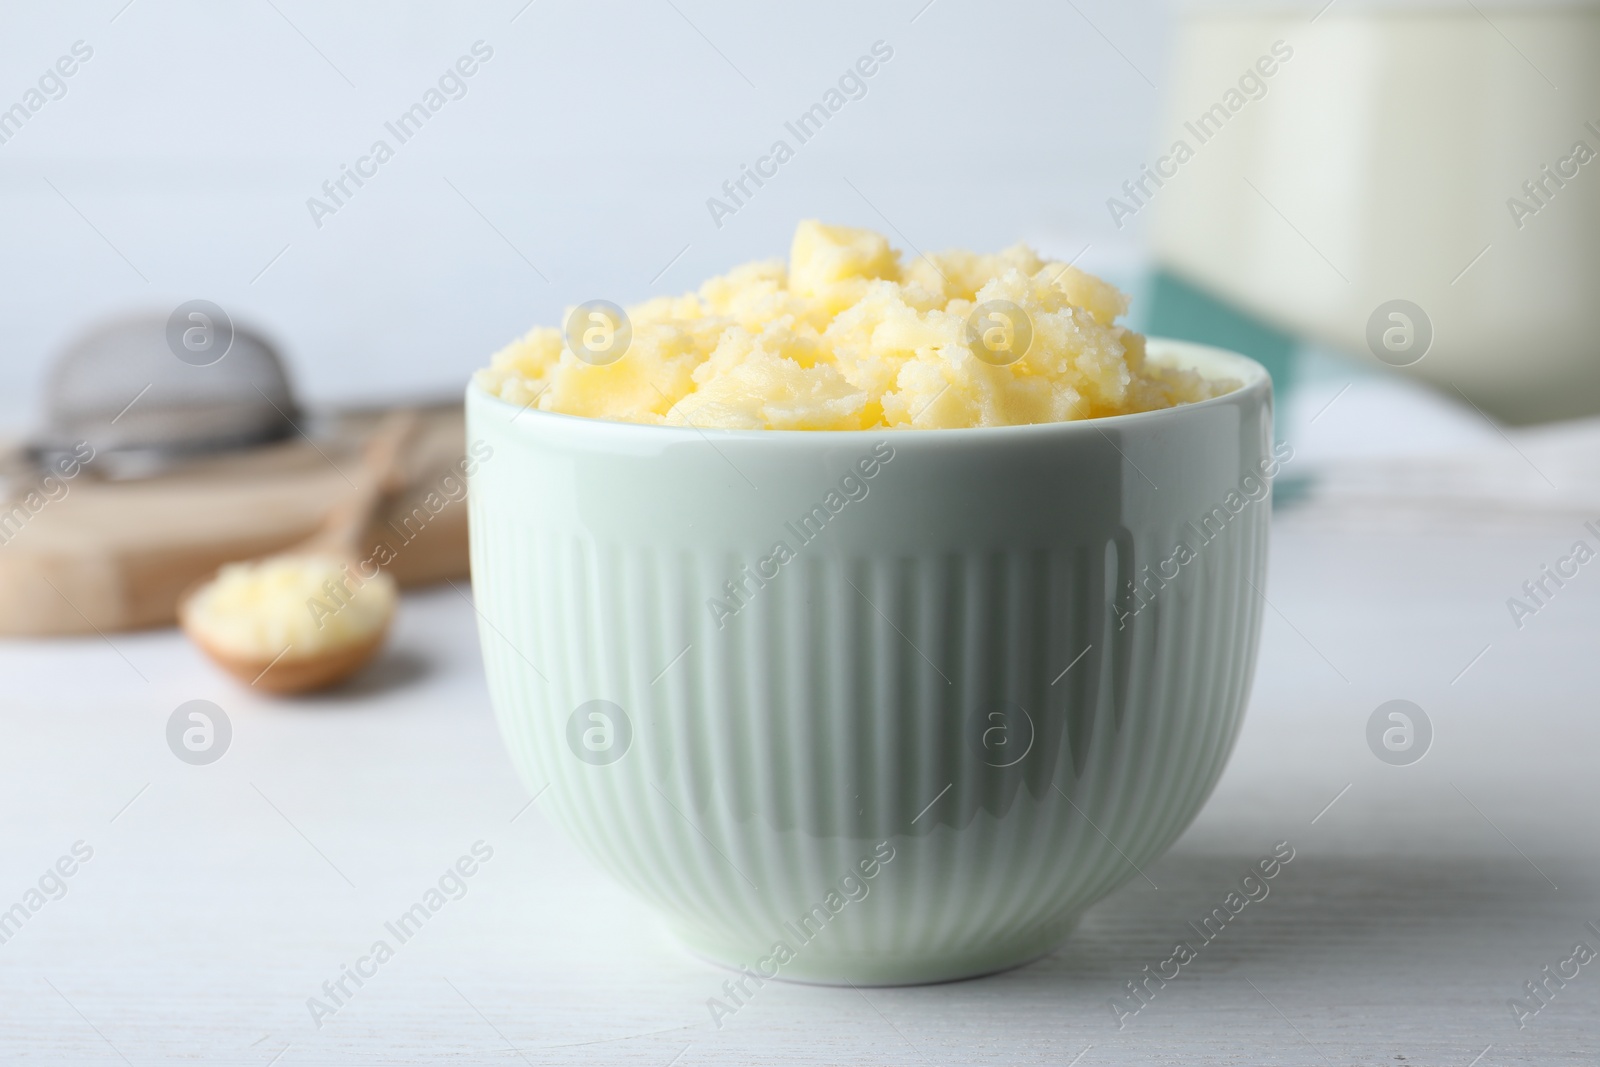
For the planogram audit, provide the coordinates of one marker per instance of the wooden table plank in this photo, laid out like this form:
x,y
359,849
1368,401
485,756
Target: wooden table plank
x,y
222,897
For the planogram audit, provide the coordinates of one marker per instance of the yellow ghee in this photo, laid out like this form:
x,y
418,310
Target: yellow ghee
x,y
306,604
846,336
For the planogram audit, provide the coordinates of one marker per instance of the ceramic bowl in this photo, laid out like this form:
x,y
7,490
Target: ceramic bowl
x,y
877,707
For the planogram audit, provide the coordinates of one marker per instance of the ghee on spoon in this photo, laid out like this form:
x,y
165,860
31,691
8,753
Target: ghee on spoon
x,y
311,616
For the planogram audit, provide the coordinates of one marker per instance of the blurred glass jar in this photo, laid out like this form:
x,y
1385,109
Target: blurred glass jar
x,y
1437,153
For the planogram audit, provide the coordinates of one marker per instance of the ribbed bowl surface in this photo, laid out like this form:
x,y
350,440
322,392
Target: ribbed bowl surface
x,y
904,732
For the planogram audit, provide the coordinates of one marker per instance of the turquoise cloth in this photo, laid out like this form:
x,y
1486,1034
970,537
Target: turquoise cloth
x,y
1174,307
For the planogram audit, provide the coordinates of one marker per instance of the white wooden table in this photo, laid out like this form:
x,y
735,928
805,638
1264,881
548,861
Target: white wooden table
x,y
220,898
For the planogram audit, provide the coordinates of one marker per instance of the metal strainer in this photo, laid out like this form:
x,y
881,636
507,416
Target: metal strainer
x,y
144,391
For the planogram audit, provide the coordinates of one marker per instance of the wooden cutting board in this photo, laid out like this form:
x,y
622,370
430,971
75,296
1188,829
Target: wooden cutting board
x,y
115,555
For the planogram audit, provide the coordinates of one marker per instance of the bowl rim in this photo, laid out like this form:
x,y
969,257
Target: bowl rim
x,y
1187,355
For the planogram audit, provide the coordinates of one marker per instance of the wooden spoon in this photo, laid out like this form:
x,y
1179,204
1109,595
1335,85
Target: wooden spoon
x,y
338,543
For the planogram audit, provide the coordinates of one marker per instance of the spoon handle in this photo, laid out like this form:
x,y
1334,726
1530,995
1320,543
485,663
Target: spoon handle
x,y
381,473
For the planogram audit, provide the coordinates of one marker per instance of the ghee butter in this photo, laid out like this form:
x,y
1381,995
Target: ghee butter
x,y
846,336
298,605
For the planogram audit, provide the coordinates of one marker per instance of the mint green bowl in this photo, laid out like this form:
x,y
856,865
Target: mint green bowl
x,y
977,689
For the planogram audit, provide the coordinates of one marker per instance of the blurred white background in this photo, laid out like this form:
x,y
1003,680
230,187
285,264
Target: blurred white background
x,y
590,141
577,166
